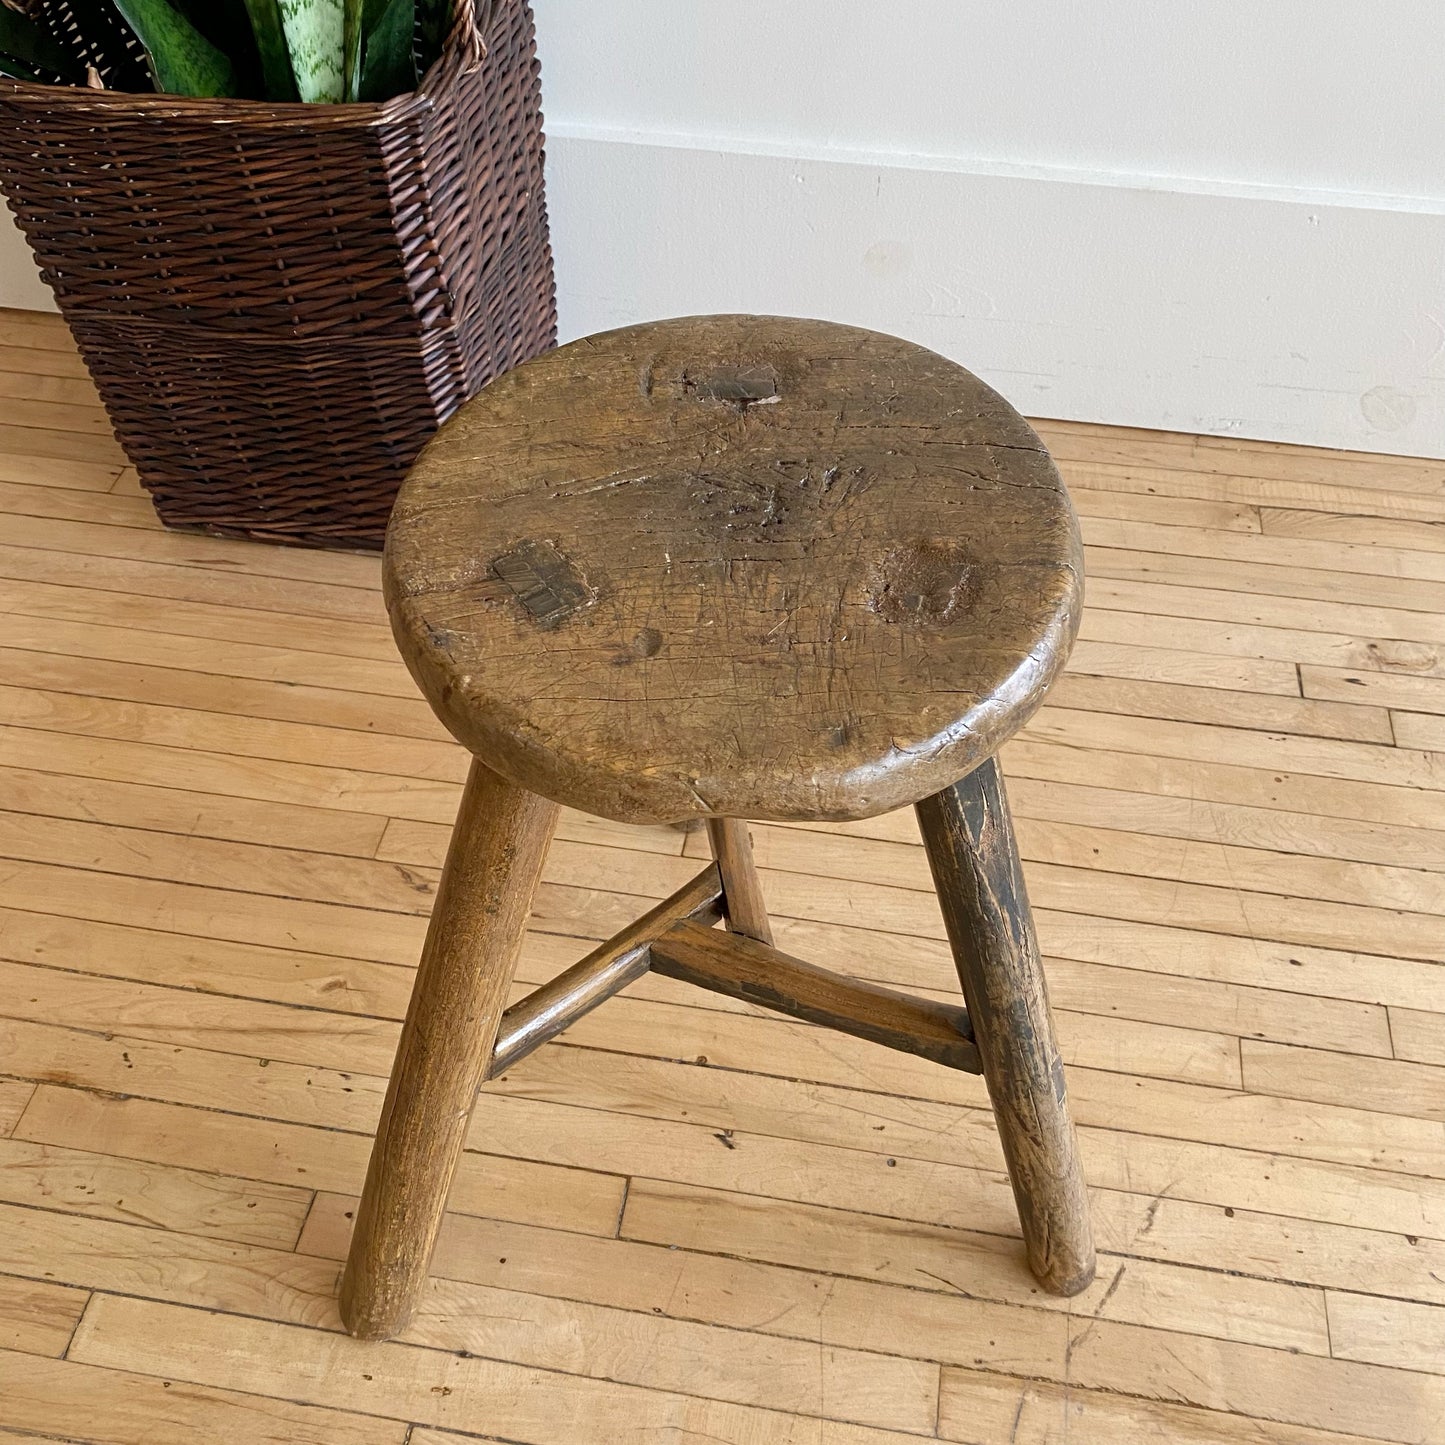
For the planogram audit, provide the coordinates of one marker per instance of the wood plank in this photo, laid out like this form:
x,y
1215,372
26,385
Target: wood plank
x,y
1231,1009
1264,578
212,912
975,1266
1115,850
94,445
1418,1034
1276,830
530,1192
582,1339
723,1225
260,779
1110,656
400,1381
37,1318
1362,799
1162,600
1406,693
303,884
163,576
1390,1086
1191,703
109,1406
1164,511
211,964
930,1129
198,1020
1367,531
1235,456
1420,730
982,1409
957,1194
1322,757
919,1309
212,862
83,420
1283,645
1215,908
52,474
171,687
232,735
101,1186
913,1283
1287,1389
189,812
36,328
1314,494
201,654
365,637
1182,952
1406,1335
184,549
20,385
1352,1257
1172,816
14,1096
22,353
1365,561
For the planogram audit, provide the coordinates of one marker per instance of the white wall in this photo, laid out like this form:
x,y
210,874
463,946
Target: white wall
x,y
1214,216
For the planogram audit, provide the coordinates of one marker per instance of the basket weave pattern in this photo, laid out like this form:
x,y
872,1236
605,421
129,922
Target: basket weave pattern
x,y
280,303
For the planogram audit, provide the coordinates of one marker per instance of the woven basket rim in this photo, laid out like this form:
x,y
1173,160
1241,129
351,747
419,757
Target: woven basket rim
x,y
464,50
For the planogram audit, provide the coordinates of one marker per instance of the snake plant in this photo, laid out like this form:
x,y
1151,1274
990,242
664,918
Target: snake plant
x,y
311,50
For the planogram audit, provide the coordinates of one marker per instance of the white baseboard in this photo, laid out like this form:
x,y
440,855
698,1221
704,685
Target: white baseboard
x,y
1298,317
1303,319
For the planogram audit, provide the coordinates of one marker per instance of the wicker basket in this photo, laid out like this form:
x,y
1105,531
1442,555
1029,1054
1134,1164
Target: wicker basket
x,y
280,303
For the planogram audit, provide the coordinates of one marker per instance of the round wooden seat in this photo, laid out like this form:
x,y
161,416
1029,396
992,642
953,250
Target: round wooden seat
x,y
739,566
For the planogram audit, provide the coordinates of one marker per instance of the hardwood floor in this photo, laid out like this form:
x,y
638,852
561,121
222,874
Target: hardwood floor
x,y
222,812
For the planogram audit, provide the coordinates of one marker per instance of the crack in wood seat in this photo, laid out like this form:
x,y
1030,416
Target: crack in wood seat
x,y
731,567
735,565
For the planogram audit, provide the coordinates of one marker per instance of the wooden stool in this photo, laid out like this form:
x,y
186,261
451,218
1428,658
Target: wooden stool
x,y
727,567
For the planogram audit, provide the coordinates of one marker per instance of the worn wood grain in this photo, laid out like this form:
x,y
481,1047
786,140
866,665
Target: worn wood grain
x,y
878,546
500,842
969,838
546,1012
732,846
748,970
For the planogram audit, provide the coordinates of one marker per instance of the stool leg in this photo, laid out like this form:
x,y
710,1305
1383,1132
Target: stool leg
x,y
496,855
971,849
742,893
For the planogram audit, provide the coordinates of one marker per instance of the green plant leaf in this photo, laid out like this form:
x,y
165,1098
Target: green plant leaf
x,y
29,53
183,61
265,17
353,35
314,37
96,35
225,24
388,68
434,19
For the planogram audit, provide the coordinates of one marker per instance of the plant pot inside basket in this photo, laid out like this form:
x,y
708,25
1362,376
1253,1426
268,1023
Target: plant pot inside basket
x,y
280,303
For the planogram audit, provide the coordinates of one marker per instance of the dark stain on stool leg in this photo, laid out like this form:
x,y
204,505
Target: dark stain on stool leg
x,y
543,581
923,581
